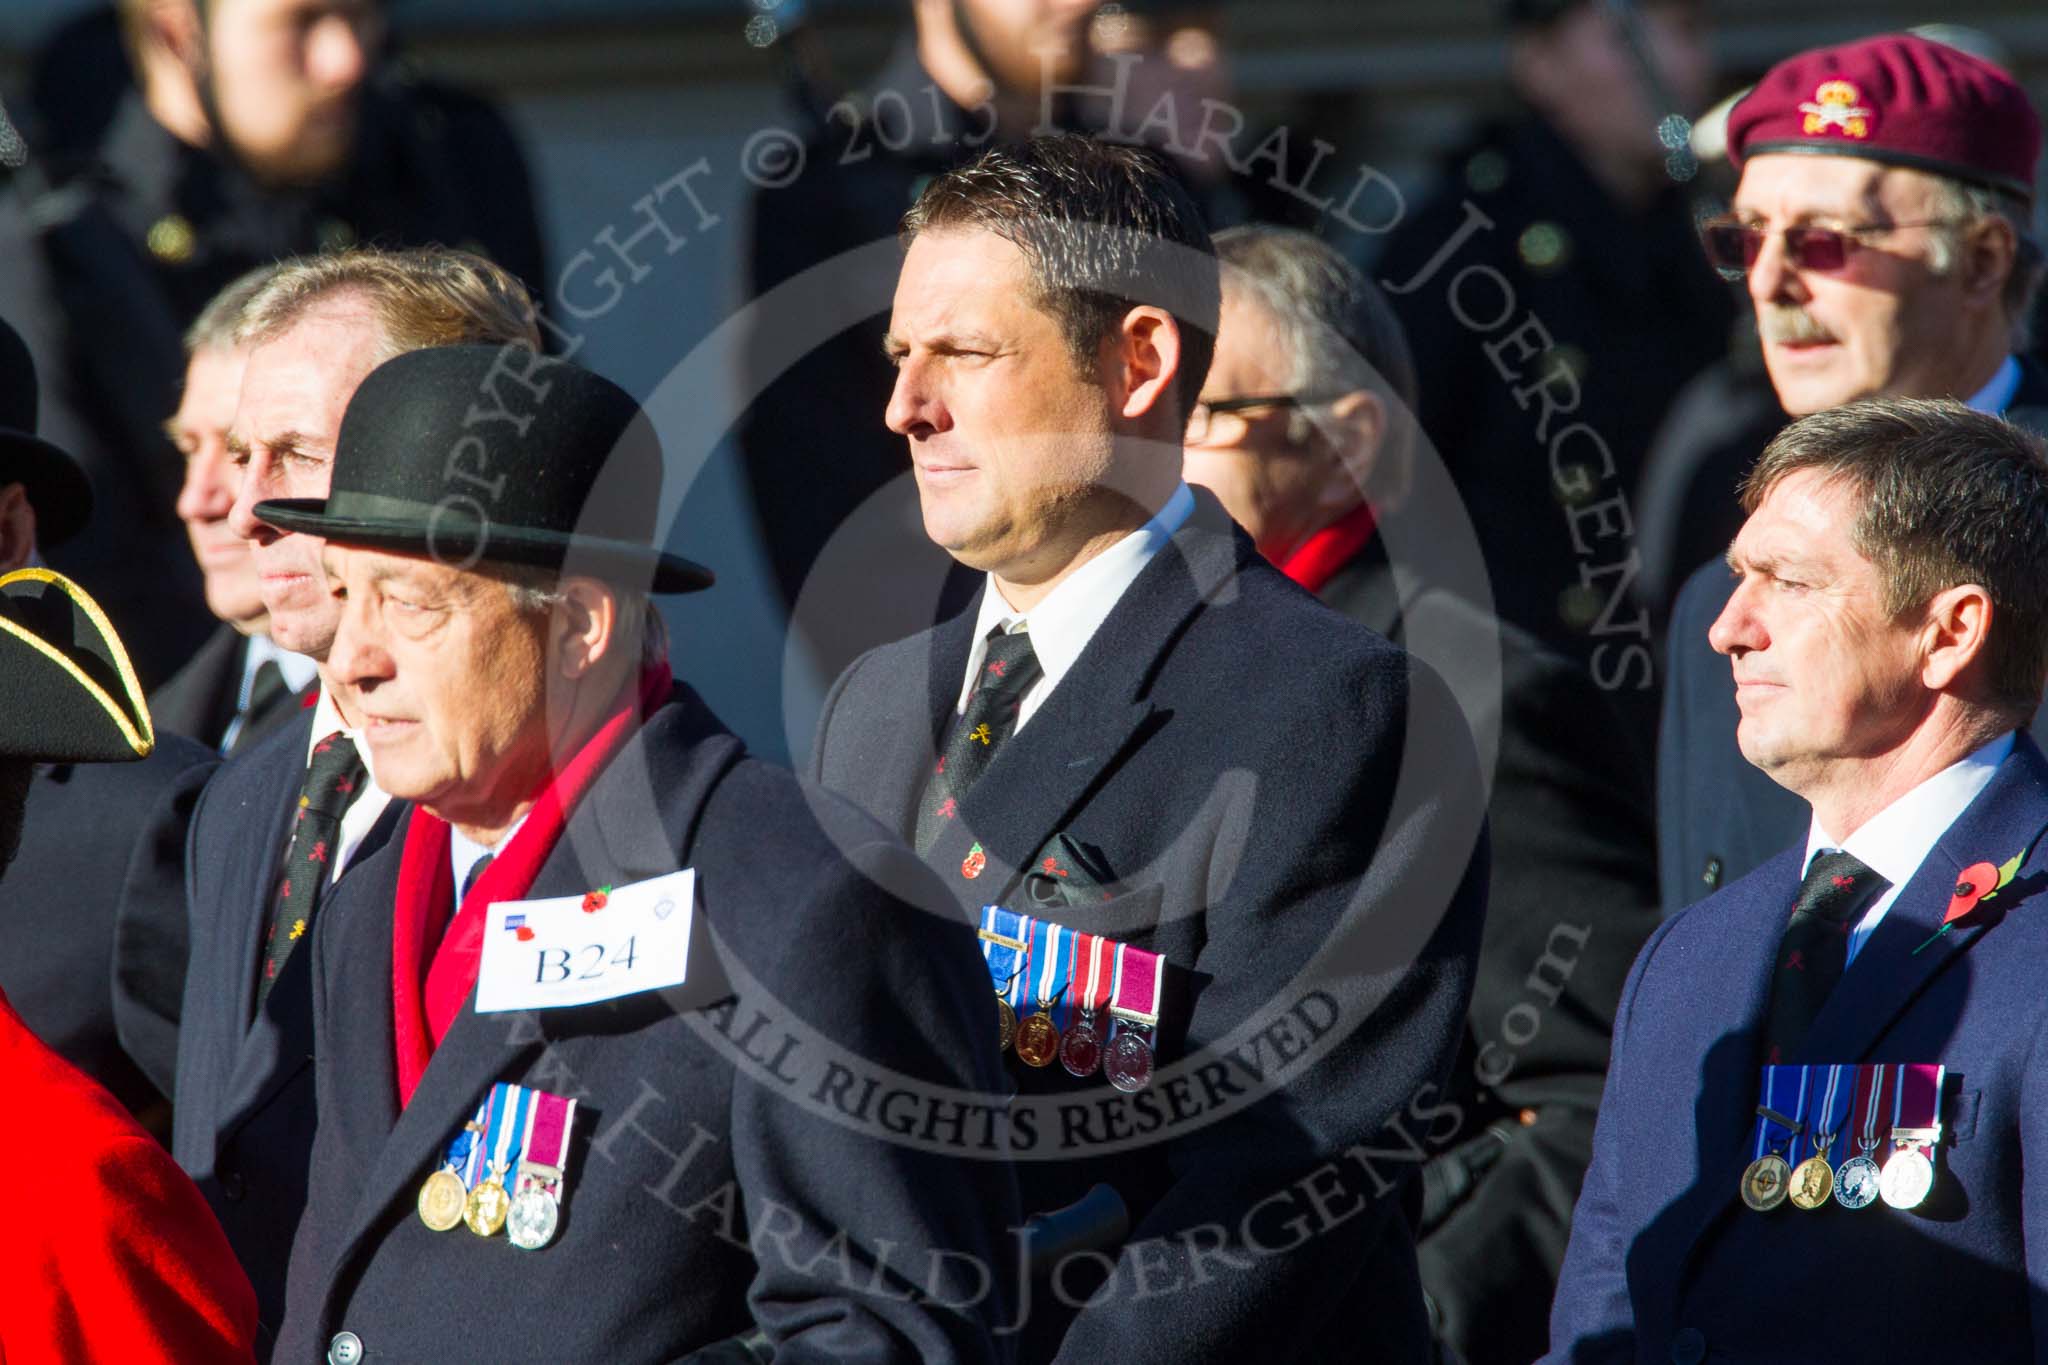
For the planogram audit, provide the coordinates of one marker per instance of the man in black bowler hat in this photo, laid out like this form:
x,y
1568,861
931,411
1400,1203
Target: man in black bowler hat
x,y
490,547
258,871
89,947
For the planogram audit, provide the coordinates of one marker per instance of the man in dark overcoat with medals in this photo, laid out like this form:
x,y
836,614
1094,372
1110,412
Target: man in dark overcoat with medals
x,y
1144,741
585,1024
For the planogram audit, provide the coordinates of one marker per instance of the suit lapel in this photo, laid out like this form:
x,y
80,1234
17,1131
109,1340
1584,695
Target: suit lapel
x,y
1880,985
1892,968
279,1042
280,801
614,835
1096,714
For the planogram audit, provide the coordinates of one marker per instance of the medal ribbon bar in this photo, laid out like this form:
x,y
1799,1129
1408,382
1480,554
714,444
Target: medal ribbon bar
x,y
1824,1133
1916,1106
469,1161
1004,938
547,1137
1089,986
1139,976
1052,964
1781,1084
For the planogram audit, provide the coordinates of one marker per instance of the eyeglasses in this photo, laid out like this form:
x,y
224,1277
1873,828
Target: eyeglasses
x,y
1733,245
1202,424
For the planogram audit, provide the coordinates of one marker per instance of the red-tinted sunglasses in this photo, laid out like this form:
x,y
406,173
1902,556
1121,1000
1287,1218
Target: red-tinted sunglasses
x,y
1733,245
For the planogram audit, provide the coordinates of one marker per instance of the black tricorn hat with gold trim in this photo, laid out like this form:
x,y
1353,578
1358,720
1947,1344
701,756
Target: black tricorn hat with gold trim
x,y
67,691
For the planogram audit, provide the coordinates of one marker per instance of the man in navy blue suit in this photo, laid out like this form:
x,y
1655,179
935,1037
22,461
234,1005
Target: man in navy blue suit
x,y
1881,226
1888,642
245,1101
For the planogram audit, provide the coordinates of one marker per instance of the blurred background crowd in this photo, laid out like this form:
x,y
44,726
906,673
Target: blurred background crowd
x,y
704,197
539,131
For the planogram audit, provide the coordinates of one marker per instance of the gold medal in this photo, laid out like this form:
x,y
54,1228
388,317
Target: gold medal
x,y
1764,1182
443,1200
1813,1181
1006,1024
488,1205
1038,1040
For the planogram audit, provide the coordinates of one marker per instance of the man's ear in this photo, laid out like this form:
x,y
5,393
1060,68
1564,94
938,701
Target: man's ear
x,y
1953,634
1990,255
585,628
1357,429
178,28
1147,360
17,527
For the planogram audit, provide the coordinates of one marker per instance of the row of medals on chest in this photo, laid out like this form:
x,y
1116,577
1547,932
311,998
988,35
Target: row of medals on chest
x,y
1127,1061
528,1218
1906,1178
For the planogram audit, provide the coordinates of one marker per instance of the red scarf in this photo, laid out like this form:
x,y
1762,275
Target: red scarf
x,y
1320,556
426,997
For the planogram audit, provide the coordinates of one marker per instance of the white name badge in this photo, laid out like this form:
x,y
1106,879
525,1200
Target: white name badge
x,y
570,950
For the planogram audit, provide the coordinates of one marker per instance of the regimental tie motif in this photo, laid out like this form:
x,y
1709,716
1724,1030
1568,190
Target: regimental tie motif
x,y
333,778
1814,949
1006,673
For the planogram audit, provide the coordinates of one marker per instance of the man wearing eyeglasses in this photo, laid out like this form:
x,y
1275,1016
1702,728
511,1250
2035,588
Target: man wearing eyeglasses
x,y
1304,432
1881,226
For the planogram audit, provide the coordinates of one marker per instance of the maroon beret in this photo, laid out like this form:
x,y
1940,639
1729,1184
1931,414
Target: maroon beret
x,y
1900,99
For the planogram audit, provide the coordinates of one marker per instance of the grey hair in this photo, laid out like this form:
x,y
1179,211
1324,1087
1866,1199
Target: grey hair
x,y
1339,332
534,590
217,324
1970,205
421,297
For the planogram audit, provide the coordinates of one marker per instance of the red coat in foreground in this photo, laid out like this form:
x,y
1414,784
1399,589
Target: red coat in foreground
x,y
110,1254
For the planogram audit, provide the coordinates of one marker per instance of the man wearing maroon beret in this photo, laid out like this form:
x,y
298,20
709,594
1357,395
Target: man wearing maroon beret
x,y
1881,225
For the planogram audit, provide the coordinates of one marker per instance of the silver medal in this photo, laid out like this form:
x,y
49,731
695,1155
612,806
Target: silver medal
x,y
1856,1183
535,1215
1908,1178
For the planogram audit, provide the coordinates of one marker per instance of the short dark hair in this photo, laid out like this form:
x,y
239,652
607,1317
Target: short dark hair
x,y
1950,496
1103,228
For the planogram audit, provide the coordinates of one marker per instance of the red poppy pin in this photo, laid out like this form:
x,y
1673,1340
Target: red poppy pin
x,y
1975,884
594,901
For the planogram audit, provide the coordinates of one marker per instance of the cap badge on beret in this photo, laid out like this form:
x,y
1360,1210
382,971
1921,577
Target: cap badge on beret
x,y
1837,107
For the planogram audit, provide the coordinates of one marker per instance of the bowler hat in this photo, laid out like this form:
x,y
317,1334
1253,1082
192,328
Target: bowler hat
x,y
67,691
57,487
494,454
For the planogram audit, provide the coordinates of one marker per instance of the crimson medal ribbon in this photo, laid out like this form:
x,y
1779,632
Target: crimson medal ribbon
x,y
1140,978
1081,1043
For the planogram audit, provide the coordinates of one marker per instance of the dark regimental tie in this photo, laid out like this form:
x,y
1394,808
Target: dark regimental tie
x,y
1814,949
265,687
1006,674
333,778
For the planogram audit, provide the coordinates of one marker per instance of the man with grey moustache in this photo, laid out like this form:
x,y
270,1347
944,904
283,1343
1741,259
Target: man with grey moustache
x,y
1881,225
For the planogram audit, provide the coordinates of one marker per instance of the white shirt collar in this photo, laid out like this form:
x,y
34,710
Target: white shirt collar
x,y
1996,396
464,853
1062,625
326,720
1896,840
298,670
363,812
